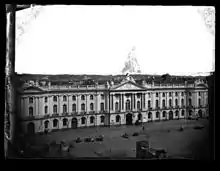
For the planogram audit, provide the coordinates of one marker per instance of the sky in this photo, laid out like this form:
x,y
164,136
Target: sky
x,y
98,39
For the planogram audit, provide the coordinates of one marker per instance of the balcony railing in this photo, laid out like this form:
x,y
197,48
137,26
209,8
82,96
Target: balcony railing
x,y
55,114
74,112
46,115
64,113
29,118
157,107
118,110
92,112
83,112
164,107
150,108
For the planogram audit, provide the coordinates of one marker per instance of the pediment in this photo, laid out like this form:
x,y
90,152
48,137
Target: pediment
x,y
128,86
32,89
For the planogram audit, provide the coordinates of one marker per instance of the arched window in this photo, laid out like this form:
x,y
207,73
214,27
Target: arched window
x,y
54,108
46,124
118,118
149,95
30,111
176,102
55,98
73,98
149,104
176,94
83,107
157,94
116,106
102,106
55,123
127,104
91,106
199,93
164,103
177,113
65,121
64,98
92,119
183,112
149,115
199,102
45,109
83,120
45,99
190,102
74,107
182,94
164,114
31,100
138,105
102,119
91,97
163,94
157,114
170,102
182,102
190,93
64,108
82,97
170,93
157,103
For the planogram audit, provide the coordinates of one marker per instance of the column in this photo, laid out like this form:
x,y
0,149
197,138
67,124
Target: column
x,y
96,103
123,107
119,102
77,103
132,102
22,107
36,106
68,104
58,106
50,106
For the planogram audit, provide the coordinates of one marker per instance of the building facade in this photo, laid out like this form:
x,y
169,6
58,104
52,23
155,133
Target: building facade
x,y
50,107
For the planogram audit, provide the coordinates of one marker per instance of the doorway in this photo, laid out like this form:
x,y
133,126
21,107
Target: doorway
x,y
74,123
129,119
170,115
31,128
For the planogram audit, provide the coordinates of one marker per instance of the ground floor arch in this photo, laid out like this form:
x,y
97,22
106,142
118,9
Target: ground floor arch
x,y
129,119
177,113
140,117
74,123
190,112
171,115
200,113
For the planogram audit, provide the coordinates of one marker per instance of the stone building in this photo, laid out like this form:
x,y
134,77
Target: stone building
x,y
44,106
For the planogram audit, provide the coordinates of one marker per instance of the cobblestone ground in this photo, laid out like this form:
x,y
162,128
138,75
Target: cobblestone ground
x,y
188,143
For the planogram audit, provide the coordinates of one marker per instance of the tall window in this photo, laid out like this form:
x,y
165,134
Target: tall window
x,y
182,94
116,106
46,124
149,104
182,102
82,97
199,93
127,104
65,122
157,103
138,105
164,103
102,119
91,106
138,95
74,98
91,97
74,107
64,98
199,102
157,114
164,114
55,98
118,118
157,94
183,112
148,95
149,115
45,99
190,102
163,94
30,111
30,99
170,102
176,102
102,106
64,108
170,94
54,108
92,119
176,94
83,120
102,96
83,107
55,123
190,93
45,109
